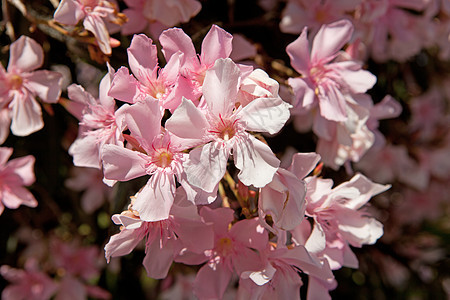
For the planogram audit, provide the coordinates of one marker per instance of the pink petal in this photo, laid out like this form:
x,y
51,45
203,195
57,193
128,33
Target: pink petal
x,y
45,84
142,56
294,204
105,85
316,242
197,195
122,164
216,44
121,244
386,109
316,290
220,86
24,168
85,152
171,70
182,89
124,86
158,259
26,114
69,12
25,55
212,281
304,94
256,162
155,200
367,189
144,119
329,40
357,228
359,81
188,123
5,122
129,223
136,22
265,115
298,51
195,235
332,104
18,196
5,154
242,48
250,233
303,163
206,166
174,40
96,25
220,218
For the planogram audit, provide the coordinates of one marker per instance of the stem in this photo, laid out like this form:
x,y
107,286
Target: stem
x,y
8,25
242,202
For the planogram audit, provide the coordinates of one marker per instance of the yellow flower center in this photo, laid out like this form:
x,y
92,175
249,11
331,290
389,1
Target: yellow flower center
x,y
163,159
15,82
225,246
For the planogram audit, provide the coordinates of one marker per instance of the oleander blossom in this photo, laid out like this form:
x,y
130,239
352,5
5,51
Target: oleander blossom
x,y
29,283
314,13
154,152
216,44
221,130
14,175
325,82
339,219
20,84
158,15
183,230
100,122
236,249
149,80
97,16
279,278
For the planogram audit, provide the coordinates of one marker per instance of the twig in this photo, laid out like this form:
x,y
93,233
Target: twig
x,y
8,25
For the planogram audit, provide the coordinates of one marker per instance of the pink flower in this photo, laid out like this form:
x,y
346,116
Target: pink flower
x,y
94,14
339,220
344,141
390,30
300,13
257,85
28,284
158,15
149,80
154,153
19,86
14,175
280,279
324,82
100,123
427,111
76,260
222,130
284,198
233,251
216,44
184,230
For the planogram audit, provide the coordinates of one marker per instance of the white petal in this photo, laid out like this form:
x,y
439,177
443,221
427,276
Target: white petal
x,y
255,160
265,115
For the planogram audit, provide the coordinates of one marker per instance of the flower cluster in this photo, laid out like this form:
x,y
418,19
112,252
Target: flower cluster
x,y
199,143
